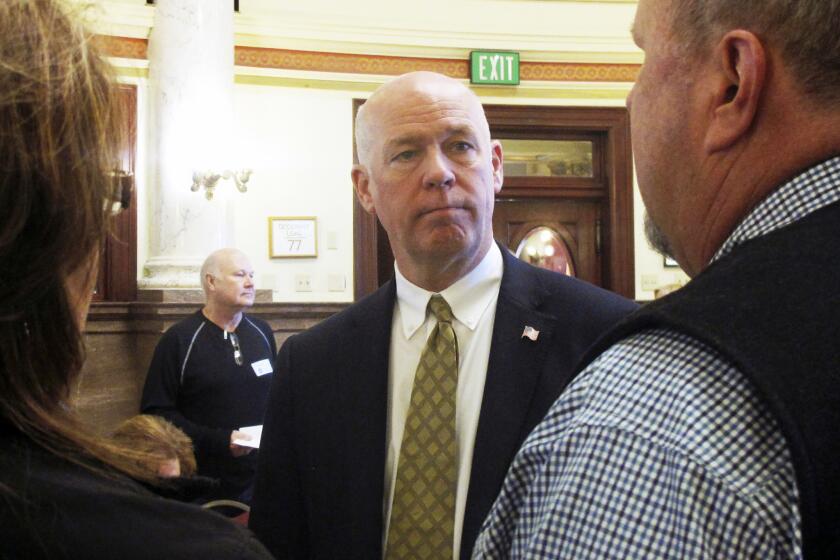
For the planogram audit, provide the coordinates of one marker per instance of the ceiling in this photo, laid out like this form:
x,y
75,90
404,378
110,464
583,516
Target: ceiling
x,y
542,30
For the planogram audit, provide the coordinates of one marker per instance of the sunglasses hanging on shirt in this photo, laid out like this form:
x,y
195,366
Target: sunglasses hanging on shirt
x,y
237,351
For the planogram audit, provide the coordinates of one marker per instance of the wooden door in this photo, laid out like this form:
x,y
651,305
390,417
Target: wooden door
x,y
560,235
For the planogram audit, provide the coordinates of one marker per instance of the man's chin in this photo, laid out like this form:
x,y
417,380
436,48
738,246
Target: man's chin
x,y
445,252
447,243
656,238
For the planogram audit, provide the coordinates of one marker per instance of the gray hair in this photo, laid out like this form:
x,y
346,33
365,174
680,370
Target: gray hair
x,y
807,32
209,266
362,133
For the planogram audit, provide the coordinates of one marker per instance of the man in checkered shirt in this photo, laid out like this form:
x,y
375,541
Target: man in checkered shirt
x,y
707,425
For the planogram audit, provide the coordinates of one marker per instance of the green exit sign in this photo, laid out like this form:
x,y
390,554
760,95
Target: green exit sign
x,y
490,67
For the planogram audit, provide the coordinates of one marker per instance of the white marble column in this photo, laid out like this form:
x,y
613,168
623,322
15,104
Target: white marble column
x,y
191,93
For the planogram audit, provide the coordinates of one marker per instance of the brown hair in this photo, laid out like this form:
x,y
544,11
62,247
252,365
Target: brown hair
x,y
59,136
159,439
805,31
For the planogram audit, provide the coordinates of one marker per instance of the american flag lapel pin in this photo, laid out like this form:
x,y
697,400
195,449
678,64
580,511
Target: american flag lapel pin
x,y
530,333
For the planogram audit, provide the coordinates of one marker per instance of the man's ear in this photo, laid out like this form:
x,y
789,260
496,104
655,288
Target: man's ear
x,y
497,159
361,184
739,68
210,282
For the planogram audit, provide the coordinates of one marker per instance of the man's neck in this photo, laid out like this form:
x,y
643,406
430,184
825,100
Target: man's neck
x,y
225,318
773,157
438,275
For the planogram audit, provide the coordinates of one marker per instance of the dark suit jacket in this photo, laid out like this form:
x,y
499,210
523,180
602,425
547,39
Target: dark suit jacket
x,y
321,472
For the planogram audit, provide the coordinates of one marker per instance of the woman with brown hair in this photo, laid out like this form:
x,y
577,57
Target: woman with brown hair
x,y
170,450
65,493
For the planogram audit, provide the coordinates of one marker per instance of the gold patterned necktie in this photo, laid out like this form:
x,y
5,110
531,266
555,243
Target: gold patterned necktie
x,y
423,512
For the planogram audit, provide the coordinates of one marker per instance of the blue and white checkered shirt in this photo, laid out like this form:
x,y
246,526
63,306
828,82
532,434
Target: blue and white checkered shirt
x,y
660,447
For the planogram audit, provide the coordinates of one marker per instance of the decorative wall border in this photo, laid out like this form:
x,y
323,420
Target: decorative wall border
x,y
122,47
347,63
578,72
314,61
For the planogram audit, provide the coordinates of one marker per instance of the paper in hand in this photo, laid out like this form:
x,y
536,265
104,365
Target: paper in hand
x,y
254,431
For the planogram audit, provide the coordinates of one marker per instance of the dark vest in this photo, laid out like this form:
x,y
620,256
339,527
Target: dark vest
x,y
772,307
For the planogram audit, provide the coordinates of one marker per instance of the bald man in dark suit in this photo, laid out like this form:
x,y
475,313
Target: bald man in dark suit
x,y
344,405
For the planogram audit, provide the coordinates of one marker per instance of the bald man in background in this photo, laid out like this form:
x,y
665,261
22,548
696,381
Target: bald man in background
x,y
211,373
366,451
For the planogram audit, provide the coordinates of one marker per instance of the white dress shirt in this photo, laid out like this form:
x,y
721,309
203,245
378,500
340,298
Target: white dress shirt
x,y
473,303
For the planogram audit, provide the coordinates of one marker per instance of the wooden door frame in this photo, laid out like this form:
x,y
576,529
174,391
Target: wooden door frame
x,y
613,174
118,264
612,123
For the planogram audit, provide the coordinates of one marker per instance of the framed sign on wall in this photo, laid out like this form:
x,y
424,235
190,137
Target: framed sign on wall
x,y
292,237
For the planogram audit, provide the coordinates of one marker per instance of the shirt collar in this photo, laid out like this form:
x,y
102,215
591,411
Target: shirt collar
x,y
468,297
809,191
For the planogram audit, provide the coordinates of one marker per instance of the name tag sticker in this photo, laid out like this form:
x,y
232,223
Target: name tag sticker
x,y
262,367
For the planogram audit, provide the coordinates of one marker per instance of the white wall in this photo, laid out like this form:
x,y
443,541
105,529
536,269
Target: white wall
x,y
299,143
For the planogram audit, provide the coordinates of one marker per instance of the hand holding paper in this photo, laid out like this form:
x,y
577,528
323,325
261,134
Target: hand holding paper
x,y
251,437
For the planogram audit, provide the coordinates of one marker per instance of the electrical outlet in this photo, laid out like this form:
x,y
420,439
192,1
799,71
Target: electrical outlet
x,y
336,283
303,283
650,282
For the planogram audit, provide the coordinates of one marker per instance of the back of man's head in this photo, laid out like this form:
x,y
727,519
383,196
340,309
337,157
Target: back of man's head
x,y
806,33
735,98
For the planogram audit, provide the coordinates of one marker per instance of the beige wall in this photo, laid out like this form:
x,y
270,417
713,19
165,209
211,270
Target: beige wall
x,y
300,144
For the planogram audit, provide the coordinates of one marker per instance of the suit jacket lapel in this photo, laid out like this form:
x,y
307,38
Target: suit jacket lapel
x,y
365,389
514,367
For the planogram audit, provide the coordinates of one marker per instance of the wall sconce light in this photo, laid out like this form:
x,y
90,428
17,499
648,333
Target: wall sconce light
x,y
209,180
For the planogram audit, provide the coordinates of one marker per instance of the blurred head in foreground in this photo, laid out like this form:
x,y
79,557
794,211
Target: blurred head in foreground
x,y
59,136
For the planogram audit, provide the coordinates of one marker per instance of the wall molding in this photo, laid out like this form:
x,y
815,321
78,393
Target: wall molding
x,y
384,65
123,47
106,316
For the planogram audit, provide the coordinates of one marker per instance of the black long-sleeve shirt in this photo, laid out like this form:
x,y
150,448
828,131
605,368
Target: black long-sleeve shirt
x,y
195,383
52,507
